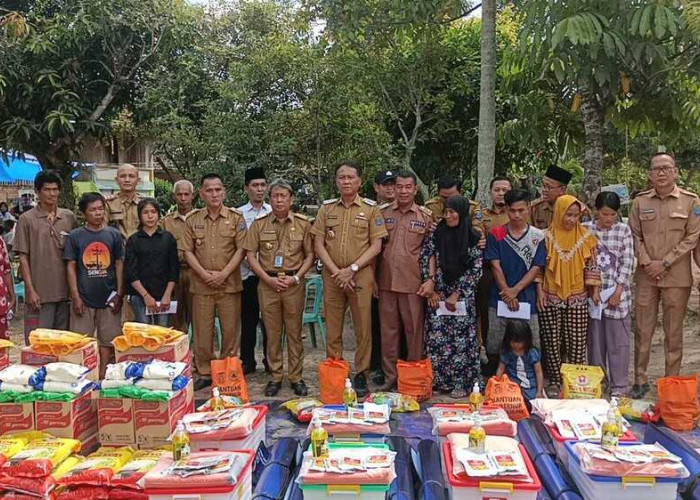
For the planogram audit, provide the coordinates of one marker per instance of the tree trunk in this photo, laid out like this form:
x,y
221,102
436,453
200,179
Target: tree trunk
x,y
487,102
593,121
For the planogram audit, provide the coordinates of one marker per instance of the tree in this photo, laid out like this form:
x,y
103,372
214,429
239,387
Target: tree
x,y
65,67
487,101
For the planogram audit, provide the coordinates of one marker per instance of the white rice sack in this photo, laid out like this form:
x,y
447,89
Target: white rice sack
x,y
20,374
72,387
155,384
5,386
117,371
116,384
158,369
65,372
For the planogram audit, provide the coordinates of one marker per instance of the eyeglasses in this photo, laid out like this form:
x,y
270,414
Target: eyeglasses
x,y
659,170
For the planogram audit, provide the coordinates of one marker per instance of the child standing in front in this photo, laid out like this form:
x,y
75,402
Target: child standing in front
x,y
520,360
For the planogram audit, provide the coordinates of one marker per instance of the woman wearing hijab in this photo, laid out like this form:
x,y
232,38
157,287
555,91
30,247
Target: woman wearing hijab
x,y
570,276
451,268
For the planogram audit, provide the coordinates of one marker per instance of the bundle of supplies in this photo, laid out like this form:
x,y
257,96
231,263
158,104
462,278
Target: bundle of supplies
x,y
228,402
501,457
368,418
349,465
641,410
630,460
150,337
66,378
204,469
582,381
56,342
459,418
21,378
398,403
156,375
544,408
220,425
302,408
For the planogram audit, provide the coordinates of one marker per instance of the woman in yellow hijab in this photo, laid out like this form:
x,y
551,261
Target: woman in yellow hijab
x,y
571,275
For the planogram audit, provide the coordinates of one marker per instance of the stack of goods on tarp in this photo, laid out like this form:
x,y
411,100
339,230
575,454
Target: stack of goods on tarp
x,y
232,429
577,420
36,469
499,464
369,420
140,403
366,469
53,346
448,418
608,472
227,474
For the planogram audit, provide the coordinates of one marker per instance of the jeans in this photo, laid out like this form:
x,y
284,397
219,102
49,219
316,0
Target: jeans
x,y
139,307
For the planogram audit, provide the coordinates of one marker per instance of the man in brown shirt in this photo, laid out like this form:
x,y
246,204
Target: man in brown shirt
x,y
121,207
174,223
348,236
400,306
665,223
280,252
213,250
451,186
39,239
554,185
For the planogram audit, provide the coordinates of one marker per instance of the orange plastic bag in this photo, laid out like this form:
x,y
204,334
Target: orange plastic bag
x,y
415,378
331,375
504,393
678,401
227,375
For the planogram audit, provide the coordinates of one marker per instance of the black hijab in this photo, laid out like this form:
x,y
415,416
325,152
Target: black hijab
x,y
454,243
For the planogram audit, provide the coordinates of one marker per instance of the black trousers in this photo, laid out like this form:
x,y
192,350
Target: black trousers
x,y
375,362
250,317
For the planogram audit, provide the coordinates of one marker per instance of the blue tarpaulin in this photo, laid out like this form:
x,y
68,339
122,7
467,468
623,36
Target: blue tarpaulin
x,y
14,169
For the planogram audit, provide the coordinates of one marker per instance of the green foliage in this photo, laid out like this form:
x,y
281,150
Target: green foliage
x,y
164,195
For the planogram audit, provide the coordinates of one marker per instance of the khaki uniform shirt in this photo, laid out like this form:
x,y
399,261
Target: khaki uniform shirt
x,y
492,219
399,269
123,214
348,231
214,241
437,207
175,224
43,242
666,229
282,245
542,213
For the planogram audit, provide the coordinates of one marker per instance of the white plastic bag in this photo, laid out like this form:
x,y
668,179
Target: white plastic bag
x,y
5,386
65,372
115,384
71,387
19,374
117,371
157,369
155,384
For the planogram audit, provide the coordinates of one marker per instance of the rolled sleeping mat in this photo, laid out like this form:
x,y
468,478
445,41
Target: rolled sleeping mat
x,y
284,452
533,434
262,456
273,483
293,490
568,495
401,447
554,479
432,490
430,462
402,487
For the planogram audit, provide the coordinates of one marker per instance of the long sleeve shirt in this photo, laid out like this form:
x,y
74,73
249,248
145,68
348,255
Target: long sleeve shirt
x,y
152,260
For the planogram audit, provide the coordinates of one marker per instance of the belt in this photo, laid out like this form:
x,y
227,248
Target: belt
x,y
275,274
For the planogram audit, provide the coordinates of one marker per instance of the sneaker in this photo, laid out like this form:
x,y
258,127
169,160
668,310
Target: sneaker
x,y
639,391
299,388
202,383
360,385
272,388
553,391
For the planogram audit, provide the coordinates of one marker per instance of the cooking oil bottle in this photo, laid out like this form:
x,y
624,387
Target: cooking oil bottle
x,y
217,402
611,432
618,416
181,443
349,395
477,437
476,399
319,440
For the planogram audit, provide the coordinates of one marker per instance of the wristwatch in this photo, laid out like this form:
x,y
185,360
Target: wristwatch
x,y
296,279
354,267
665,263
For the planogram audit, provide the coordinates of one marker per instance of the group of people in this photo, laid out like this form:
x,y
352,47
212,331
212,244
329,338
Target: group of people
x,y
520,286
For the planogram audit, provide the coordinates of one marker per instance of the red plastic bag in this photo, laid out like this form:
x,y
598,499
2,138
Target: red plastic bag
x,y
127,494
331,375
678,401
85,493
227,375
415,378
505,394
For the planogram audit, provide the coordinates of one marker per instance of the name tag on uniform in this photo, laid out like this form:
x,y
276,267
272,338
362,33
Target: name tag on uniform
x,y
417,223
648,211
279,260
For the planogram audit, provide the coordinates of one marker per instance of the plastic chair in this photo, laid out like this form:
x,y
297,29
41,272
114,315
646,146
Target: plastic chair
x,y
312,308
19,285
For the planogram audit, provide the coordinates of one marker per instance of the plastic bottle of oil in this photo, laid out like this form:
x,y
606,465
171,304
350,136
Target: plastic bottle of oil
x,y
618,416
217,402
349,395
180,442
476,399
477,437
611,432
319,440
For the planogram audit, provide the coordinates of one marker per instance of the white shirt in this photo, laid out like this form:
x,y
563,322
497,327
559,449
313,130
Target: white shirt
x,y
250,213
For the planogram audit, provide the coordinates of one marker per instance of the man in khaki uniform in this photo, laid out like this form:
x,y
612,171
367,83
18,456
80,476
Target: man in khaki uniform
x,y
554,185
213,250
121,206
280,252
175,224
450,186
493,216
665,223
401,309
348,236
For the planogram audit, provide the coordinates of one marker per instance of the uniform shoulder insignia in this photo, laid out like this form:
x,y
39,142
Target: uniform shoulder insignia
x,y
328,202
235,211
262,216
474,203
193,212
301,216
425,210
384,206
111,197
537,201
688,193
371,203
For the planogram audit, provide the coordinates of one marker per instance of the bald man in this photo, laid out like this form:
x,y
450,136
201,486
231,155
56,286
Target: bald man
x,y
121,206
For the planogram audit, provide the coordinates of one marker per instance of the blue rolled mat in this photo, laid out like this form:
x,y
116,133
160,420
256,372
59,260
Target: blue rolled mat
x,y
432,490
284,452
400,446
533,434
430,462
273,482
568,495
553,478
262,457
402,487
295,492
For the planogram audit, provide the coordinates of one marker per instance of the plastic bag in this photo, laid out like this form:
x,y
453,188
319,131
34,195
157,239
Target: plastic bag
x,y
124,370
504,393
163,384
98,468
38,486
582,381
678,401
127,494
39,457
132,473
302,408
65,372
78,387
23,375
116,384
56,342
398,403
84,493
11,445
415,378
642,410
17,388
158,369
333,373
229,403
227,375
162,396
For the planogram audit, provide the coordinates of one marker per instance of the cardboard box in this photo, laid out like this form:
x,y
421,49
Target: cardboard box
x,y
4,357
88,356
89,445
76,419
16,417
155,421
116,421
175,351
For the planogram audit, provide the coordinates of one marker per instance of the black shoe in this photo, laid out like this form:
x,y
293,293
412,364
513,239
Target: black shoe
x,y
360,386
248,369
639,391
202,383
299,388
272,388
379,378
